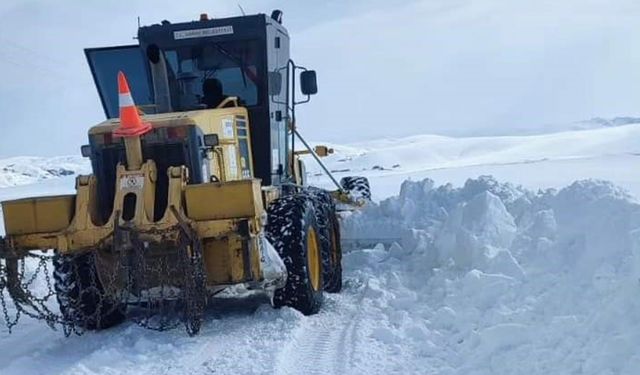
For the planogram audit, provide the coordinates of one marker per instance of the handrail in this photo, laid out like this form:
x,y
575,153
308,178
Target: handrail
x,y
228,100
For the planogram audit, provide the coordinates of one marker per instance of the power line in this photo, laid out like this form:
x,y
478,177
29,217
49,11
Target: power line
x,y
29,50
31,65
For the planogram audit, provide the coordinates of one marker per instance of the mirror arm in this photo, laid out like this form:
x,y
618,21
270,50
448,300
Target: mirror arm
x,y
307,100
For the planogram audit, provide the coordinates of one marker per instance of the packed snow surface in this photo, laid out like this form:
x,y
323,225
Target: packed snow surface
x,y
479,277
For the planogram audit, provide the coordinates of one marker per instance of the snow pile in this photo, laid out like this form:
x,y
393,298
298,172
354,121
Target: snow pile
x,y
28,170
491,278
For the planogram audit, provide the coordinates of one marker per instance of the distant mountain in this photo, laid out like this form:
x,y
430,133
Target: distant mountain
x,y
599,122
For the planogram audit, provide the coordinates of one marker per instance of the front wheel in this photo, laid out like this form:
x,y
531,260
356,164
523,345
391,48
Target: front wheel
x,y
293,232
358,187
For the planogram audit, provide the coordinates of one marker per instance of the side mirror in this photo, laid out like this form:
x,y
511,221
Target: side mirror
x,y
85,150
276,15
275,83
308,82
211,140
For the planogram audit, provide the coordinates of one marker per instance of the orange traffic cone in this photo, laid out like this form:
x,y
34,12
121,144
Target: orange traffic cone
x,y
131,124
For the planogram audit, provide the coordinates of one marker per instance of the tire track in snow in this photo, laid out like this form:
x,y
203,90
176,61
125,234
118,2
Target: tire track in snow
x,y
350,334
325,343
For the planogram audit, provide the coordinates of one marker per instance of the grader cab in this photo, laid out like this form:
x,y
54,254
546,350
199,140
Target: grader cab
x,y
197,186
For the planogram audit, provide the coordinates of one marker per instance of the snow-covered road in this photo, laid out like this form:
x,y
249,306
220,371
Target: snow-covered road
x,y
241,335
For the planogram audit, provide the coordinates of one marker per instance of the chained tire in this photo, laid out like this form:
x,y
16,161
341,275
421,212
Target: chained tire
x,y
333,274
292,230
358,187
196,282
81,295
329,235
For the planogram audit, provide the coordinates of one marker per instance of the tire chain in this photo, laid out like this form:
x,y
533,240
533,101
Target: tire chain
x,y
163,310
358,187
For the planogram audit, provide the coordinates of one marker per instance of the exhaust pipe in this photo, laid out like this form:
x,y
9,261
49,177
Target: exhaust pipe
x,y
160,79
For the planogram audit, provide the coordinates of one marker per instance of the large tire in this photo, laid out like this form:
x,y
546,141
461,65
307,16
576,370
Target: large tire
x,y
293,232
80,293
358,187
333,275
329,229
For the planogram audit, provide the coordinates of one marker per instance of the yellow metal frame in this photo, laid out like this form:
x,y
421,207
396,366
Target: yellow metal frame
x,y
226,215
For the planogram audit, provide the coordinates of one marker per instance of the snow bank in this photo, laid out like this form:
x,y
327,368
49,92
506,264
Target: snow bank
x,y
491,278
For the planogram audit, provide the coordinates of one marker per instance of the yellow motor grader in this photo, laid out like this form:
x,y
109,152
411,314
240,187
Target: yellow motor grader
x,y
197,186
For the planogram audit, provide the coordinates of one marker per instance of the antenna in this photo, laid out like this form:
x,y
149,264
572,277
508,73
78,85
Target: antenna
x,y
241,9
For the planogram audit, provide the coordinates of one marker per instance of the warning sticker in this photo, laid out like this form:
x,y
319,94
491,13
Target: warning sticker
x,y
233,162
227,128
132,182
202,33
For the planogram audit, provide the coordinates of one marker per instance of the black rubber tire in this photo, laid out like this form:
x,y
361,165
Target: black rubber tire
x,y
358,186
80,293
333,276
289,219
329,228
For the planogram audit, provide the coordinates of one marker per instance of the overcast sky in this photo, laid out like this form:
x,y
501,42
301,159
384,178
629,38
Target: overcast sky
x,y
386,68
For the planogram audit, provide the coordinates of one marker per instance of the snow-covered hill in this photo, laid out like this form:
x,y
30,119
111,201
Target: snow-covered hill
x,y
552,160
535,161
27,170
485,277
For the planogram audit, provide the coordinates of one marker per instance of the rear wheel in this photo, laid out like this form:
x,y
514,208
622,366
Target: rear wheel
x,y
80,293
293,231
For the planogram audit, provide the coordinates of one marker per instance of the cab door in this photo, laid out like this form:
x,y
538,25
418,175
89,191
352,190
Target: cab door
x,y
105,63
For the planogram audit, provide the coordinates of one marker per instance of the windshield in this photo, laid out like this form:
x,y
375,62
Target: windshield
x,y
234,65
105,64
